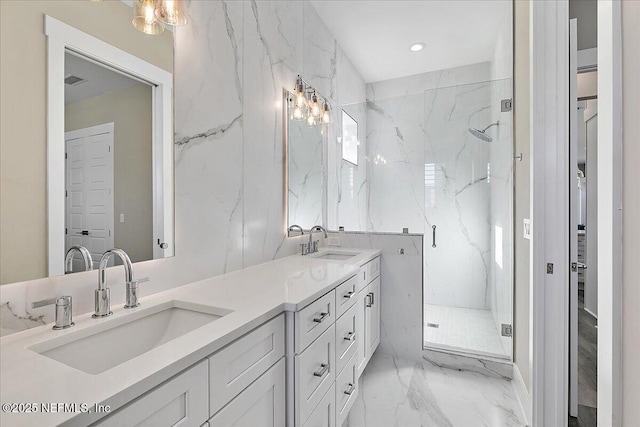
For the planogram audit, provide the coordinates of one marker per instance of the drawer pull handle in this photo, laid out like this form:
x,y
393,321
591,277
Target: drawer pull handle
x,y
350,390
321,318
322,372
350,336
370,300
349,295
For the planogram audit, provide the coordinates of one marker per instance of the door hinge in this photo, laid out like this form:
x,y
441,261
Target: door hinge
x,y
109,232
507,330
506,105
66,193
109,148
65,155
65,231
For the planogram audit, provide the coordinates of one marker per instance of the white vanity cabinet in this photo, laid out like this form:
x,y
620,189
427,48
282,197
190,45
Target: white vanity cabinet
x,y
332,340
368,312
242,384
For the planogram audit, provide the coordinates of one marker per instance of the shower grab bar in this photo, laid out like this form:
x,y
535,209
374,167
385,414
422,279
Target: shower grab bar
x,y
433,228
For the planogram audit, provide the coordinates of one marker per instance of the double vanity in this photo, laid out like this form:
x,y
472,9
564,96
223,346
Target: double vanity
x,y
280,343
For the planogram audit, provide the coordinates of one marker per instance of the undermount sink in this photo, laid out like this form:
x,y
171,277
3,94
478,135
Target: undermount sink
x,y
337,256
100,348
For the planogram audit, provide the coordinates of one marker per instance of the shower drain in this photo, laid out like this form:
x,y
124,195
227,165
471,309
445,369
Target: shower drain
x,y
433,325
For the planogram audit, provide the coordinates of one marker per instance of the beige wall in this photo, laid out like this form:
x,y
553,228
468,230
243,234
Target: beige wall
x,y
522,185
631,213
130,110
23,221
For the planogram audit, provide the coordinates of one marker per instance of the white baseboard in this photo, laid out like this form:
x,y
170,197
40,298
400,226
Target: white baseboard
x,y
522,394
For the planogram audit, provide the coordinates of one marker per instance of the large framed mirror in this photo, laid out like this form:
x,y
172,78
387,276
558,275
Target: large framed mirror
x,y
109,150
104,137
305,173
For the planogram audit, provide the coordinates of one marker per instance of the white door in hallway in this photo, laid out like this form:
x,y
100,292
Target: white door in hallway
x,y
89,190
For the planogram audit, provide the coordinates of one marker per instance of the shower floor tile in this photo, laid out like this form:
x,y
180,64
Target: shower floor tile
x,y
464,329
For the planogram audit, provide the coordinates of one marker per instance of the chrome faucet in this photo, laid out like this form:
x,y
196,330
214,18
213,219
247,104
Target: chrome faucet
x,y
86,259
102,294
296,227
313,245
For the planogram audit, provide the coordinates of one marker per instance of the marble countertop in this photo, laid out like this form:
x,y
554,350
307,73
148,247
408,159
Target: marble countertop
x,y
254,295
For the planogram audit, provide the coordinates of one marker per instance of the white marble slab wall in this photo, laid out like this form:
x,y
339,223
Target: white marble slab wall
x,y
232,62
401,290
426,169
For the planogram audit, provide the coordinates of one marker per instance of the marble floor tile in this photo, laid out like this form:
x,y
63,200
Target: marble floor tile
x,y
464,329
398,393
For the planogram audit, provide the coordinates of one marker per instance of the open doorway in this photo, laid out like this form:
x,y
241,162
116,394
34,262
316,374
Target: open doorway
x,y
583,220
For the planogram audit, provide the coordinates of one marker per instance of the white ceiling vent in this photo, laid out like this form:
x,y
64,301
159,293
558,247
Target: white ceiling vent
x,y
72,80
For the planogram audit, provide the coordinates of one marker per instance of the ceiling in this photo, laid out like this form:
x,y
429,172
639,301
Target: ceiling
x,y
376,35
99,79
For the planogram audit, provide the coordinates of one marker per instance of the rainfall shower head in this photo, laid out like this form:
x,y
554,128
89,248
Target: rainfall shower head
x,y
480,134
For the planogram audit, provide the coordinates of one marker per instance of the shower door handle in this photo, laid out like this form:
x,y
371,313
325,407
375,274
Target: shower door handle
x,y
433,229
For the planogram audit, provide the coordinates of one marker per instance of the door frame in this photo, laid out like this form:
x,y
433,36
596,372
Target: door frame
x,y
63,38
609,213
549,212
549,64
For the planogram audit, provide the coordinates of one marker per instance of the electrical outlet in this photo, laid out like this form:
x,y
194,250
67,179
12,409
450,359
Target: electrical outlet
x,y
333,241
121,218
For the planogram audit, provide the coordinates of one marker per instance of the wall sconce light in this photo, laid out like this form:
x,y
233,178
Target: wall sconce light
x,y
172,12
326,115
306,105
150,16
144,18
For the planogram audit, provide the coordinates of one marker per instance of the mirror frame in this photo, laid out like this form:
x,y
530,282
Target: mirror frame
x,y
60,39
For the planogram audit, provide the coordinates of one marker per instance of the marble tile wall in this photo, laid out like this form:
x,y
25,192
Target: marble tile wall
x,y
232,62
401,289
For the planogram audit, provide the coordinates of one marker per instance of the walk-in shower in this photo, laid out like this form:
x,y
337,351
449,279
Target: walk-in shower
x,y
440,163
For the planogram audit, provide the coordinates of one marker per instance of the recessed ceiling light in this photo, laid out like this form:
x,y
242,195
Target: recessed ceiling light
x,y
417,47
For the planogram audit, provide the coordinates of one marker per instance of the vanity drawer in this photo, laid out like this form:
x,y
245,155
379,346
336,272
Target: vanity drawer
x,y
314,319
237,365
346,391
324,414
182,400
368,272
314,374
346,295
346,337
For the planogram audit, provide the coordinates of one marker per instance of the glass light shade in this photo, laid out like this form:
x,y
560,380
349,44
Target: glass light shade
x,y
326,116
144,18
299,97
172,12
314,105
311,121
298,114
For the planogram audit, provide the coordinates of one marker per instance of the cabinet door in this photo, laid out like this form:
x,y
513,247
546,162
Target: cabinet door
x,y
372,318
325,413
182,401
361,355
261,404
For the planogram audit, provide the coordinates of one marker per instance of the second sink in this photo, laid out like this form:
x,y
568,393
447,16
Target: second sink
x,y
100,348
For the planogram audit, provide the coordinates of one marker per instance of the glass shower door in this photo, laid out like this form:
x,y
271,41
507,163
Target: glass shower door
x,y
468,219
